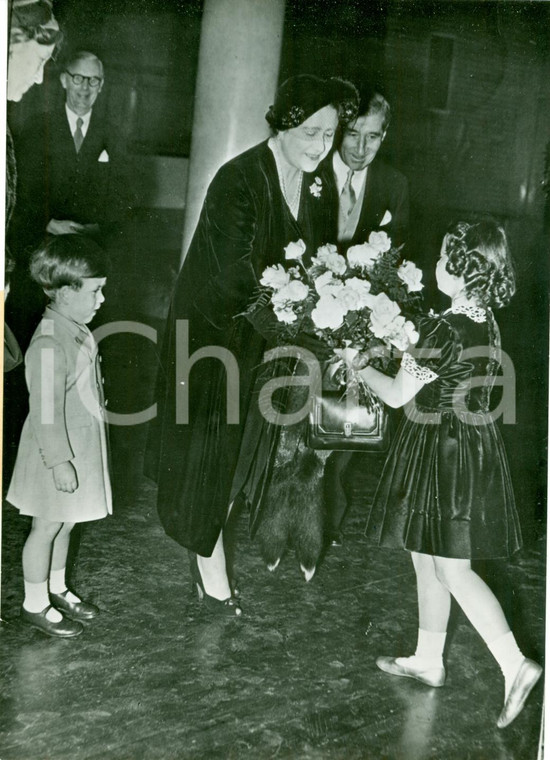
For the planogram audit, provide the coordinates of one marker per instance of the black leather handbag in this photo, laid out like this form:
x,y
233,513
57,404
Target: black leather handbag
x,y
341,423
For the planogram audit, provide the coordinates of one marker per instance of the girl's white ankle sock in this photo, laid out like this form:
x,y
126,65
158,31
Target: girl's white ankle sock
x,y
37,599
509,657
429,647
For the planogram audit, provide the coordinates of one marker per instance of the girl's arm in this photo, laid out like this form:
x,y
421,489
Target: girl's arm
x,y
394,391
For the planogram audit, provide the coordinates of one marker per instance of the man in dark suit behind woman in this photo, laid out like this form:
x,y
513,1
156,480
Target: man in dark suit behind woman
x,y
72,179
71,162
369,195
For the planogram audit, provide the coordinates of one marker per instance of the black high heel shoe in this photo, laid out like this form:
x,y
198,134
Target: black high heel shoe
x,y
229,606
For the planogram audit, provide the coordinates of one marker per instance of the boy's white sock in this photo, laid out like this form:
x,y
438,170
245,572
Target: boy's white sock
x,y
37,599
58,585
57,581
509,657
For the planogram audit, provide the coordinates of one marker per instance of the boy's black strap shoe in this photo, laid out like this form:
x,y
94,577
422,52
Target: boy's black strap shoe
x,y
63,629
74,610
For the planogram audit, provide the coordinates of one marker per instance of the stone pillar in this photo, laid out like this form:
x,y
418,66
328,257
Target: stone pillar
x,y
237,77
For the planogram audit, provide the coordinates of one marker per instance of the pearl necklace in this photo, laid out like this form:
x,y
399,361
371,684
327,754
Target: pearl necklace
x,y
294,202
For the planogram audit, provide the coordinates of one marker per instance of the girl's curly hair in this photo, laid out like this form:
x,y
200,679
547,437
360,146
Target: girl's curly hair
x,y
479,253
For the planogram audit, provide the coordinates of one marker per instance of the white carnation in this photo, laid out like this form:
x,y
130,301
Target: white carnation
x,y
328,314
380,241
295,250
275,277
362,290
411,275
328,285
384,311
285,314
362,256
328,256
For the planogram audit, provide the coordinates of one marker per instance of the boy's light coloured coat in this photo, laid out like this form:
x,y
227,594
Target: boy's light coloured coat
x,y
65,424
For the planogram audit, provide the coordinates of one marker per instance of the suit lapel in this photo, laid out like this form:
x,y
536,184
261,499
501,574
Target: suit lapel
x,y
63,141
92,137
330,197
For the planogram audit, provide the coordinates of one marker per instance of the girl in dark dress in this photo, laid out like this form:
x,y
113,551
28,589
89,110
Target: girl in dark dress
x,y
445,493
256,205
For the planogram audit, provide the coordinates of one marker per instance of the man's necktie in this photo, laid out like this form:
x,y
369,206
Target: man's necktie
x,y
78,137
347,197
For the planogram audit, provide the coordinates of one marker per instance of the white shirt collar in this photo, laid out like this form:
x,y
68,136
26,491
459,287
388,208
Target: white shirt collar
x,y
341,171
72,117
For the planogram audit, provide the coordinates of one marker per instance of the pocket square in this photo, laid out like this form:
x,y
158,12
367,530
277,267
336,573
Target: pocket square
x,y
386,219
104,158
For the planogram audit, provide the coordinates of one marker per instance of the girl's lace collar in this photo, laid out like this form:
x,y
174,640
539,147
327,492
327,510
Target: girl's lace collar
x,y
476,313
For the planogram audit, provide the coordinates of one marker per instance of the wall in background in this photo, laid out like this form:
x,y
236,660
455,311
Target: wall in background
x,y
469,84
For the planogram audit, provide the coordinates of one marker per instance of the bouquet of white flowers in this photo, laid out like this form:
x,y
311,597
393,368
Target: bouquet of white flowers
x,y
356,304
359,302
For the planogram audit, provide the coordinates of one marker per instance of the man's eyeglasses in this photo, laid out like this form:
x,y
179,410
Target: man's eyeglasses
x,y
79,79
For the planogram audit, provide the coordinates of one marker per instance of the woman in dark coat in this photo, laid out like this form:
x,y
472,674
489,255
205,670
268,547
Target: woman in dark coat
x,y
256,205
33,35
34,32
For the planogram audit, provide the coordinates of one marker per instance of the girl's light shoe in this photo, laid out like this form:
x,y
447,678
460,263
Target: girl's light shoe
x,y
528,675
405,667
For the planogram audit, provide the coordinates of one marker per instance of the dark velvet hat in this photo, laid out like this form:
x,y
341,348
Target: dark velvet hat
x,y
34,20
301,96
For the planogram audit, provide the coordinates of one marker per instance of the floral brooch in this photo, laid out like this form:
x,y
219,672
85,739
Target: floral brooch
x,y
316,187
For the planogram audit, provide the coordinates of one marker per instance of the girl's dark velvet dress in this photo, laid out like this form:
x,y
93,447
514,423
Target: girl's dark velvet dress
x,y
445,489
244,227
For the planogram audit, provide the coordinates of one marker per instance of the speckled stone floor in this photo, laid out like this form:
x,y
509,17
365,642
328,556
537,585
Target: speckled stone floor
x,y
156,676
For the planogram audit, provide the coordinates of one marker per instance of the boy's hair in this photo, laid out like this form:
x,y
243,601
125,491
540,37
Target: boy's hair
x,y
66,260
479,252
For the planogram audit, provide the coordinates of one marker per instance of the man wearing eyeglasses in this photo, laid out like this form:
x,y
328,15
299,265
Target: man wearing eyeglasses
x,y
71,163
